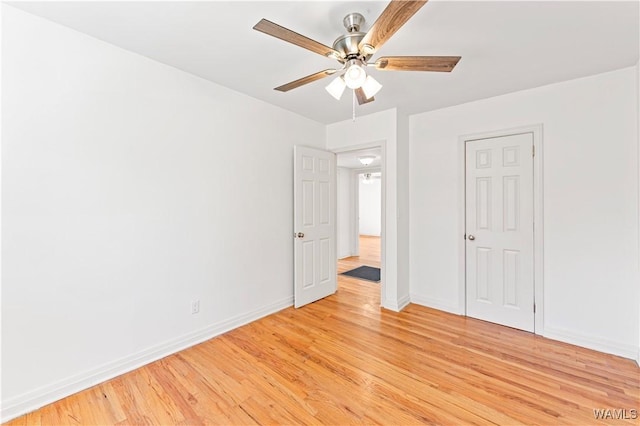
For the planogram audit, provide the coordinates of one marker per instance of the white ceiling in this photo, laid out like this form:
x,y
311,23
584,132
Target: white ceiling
x,y
505,45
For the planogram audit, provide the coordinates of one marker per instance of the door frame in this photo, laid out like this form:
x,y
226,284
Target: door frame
x,y
383,251
538,217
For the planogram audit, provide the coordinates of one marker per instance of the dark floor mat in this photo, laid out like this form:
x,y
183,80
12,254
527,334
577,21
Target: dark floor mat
x,y
365,273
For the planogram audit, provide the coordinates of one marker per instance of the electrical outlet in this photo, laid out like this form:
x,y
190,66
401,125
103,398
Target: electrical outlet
x,y
195,307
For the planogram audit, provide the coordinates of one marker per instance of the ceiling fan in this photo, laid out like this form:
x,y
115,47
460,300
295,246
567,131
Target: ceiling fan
x,y
355,48
368,178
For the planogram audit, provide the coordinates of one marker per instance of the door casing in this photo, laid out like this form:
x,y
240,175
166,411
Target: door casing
x,y
538,210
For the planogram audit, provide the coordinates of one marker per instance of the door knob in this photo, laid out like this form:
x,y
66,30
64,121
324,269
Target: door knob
x,y
300,235
471,237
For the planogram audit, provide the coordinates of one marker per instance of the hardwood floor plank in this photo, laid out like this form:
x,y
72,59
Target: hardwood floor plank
x,y
343,360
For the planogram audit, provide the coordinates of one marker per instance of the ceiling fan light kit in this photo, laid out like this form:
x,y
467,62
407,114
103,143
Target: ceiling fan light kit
x,y
336,87
371,87
355,48
355,76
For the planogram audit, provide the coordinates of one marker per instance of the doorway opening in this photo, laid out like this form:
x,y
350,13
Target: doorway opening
x,y
360,211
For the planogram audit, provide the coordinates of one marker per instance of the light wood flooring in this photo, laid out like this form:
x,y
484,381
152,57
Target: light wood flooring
x,y
343,360
369,255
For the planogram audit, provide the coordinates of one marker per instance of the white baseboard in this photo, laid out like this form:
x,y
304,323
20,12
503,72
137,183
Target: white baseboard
x,y
439,304
42,396
566,336
397,305
404,302
591,342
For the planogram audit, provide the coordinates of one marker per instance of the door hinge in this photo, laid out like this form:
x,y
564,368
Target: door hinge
x,y
533,150
534,308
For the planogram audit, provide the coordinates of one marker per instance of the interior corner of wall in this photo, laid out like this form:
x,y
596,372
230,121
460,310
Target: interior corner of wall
x,y
397,305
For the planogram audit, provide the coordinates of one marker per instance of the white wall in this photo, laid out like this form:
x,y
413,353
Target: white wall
x,y
638,148
403,205
590,188
344,214
370,211
130,188
380,129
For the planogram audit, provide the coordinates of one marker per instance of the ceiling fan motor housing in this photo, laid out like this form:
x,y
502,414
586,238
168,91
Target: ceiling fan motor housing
x,y
347,44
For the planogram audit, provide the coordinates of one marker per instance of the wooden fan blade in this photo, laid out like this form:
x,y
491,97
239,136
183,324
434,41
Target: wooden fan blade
x,y
397,13
417,63
304,80
362,98
292,37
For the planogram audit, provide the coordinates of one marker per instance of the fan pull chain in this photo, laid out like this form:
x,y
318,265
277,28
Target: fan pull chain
x,y
354,106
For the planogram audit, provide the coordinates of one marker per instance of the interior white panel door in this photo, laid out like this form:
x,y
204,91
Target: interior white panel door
x,y
314,224
499,227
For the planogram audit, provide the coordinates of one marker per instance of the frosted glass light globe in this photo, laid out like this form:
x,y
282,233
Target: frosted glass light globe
x,y
355,76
